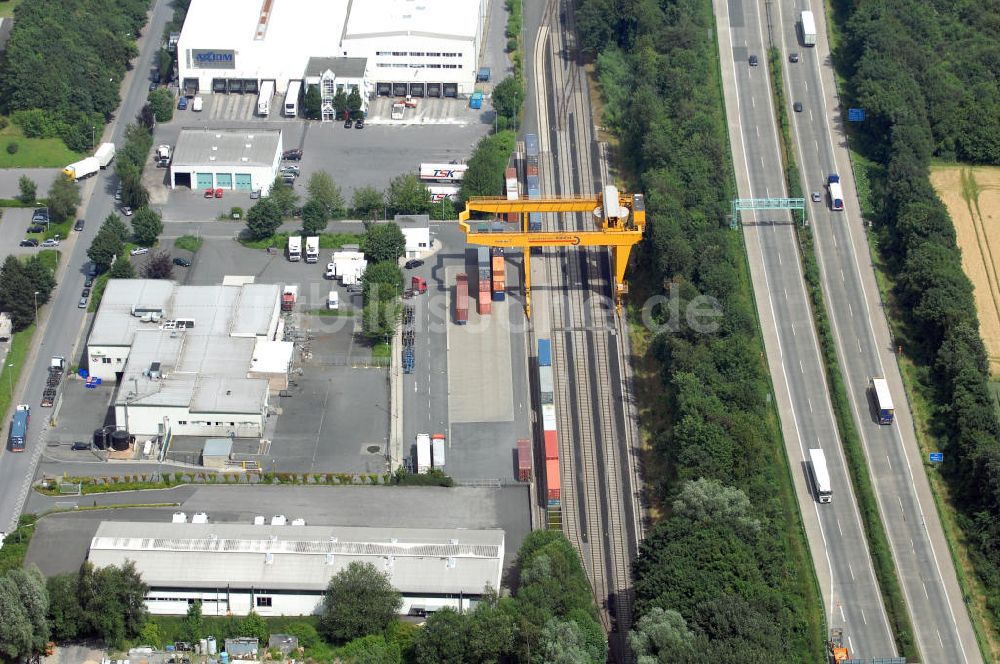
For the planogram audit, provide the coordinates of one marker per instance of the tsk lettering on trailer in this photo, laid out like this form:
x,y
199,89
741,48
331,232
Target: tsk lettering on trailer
x,y
442,172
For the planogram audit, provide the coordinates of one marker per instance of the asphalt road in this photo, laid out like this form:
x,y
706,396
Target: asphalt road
x,y
61,321
942,627
843,564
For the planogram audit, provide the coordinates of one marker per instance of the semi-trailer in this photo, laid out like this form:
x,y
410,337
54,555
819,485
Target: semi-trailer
x,y
82,169
19,428
461,299
437,450
294,248
808,29
883,400
264,98
820,476
524,460
836,192
423,452
105,154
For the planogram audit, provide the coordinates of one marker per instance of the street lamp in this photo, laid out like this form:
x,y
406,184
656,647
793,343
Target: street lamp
x,y
10,380
36,308
93,138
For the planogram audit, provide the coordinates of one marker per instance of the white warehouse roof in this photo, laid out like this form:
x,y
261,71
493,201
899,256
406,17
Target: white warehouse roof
x,y
424,18
226,147
188,555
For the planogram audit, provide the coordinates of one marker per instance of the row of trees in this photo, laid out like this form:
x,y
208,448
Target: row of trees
x,y
935,98
345,104
485,173
63,65
24,287
382,283
721,578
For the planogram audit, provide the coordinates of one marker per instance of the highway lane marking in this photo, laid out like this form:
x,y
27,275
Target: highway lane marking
x,y
850,568
801,367
843,617
841,531
842,277
810,402
863,619
851,309
888,461
940,640
902,511
926,594
859,345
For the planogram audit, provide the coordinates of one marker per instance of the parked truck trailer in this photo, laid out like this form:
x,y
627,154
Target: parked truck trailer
x,y
82,169
105,153
423,452
264,98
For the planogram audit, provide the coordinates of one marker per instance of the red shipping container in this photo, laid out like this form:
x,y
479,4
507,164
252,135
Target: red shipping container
x,y
462,299
485,303
532,169
484,285
511,173
552,479
511,217
524,460
551,445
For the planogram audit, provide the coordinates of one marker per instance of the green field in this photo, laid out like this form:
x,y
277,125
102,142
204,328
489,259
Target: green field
x,y
33,152
7,7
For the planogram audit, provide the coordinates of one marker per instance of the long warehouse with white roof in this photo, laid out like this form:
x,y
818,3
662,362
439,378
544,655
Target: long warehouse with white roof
x,y
418,47
283,570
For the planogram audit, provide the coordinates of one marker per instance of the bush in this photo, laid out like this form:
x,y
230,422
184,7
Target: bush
x,y
12,147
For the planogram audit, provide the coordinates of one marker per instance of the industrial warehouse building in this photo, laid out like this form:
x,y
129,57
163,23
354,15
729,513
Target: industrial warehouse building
x,y
278,570
226,159
419,47
190,360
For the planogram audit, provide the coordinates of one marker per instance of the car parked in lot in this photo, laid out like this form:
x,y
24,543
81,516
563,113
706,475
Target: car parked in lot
x,y
359,123
290,170
82,304
292,155
416,262
138,251
40,215
29,242
183,262
182,104
91,270
218,193
89,281
255,194
78,226
85,292
80,445
348,123
127,211
209,193
51,242
36,228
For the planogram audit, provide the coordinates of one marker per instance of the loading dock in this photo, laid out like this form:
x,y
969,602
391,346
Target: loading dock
x,y
416,89
450,89
433,89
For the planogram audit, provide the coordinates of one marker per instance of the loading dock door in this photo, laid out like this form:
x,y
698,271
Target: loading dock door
x,y
224,180
433,89
451,89
205,180
219,85
417,89
399,89
243,182
383,89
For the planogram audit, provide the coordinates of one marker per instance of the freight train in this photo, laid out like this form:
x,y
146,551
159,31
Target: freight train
x,y
550,432
531,178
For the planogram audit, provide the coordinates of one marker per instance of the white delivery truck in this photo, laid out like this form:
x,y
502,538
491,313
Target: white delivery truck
x,y
82,169
312,248
294,248
423,452
883,400
820,476
105,153
808,29
264,98
437,450
292,99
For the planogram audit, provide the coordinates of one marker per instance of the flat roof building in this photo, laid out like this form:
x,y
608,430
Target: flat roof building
x,y
425,48
190,360
285,569
234,159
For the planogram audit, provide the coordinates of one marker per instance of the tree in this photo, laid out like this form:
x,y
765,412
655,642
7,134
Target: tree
x,y
28,189
563,642
354,101
263,219
105,246
159,266
64,197
408,195
146,226
253,625
359,600
15,624
367,201
706,500
383,242
43,281
312,102
145,117
194,624
325,191
444,639
35,601
151,634
113,599
508,97
284,196
66,615
165,64
379,319
122,269
161,102
661,636
371,649
114,224
314,218
340,103
17,293
382,281
485,174
134,194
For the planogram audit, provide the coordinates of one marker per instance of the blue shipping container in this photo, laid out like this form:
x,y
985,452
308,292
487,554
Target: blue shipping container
x,y
531,145
499,296
544,353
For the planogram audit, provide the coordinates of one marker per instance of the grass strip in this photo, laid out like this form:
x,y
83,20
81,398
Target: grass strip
x,y
20,342
15,545
878,543
188,243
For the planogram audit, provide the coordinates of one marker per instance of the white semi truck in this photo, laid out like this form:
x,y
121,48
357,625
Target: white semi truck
x,y
423,452
808,29
292,99
82,169
294,248
264,98
312,248
105,153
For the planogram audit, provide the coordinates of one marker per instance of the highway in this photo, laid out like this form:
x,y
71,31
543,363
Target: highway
x,y
61,322
942,627
573,306
836,537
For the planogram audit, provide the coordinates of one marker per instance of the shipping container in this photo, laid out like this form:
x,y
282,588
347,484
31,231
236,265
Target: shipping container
x,y
551,445
437,450
552,480
483,256
545,382
442,172
544,353
512,217
531,145
524,460
423,452
548,417
462,299
498,265
485,303
535,221
534,185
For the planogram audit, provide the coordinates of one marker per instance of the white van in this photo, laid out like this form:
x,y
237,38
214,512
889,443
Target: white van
x,y
196,104
333,300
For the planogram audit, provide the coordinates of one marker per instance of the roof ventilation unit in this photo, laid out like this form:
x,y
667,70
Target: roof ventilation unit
x,y
268,558
179,517
278,520
199,517
450,562
298,522
258,520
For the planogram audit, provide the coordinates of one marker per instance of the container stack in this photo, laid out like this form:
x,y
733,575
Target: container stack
x,y
485,290
532,179
550,431
499,274
462,299
510,177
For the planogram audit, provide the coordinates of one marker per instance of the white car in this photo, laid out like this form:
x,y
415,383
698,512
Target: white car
x,y
138,251
331,270
127,211
50,243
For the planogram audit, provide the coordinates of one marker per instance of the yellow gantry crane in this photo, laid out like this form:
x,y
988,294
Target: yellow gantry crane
x,y
619,220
